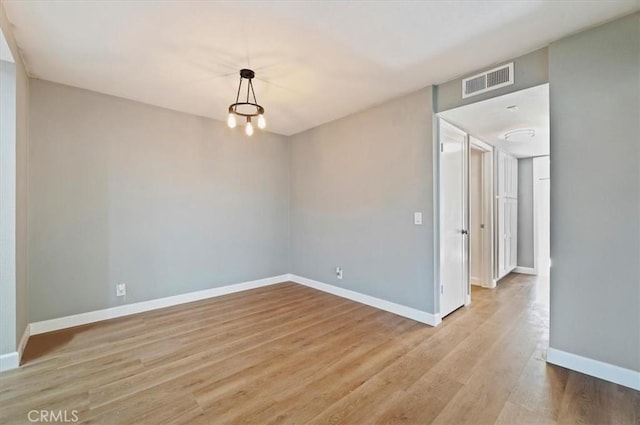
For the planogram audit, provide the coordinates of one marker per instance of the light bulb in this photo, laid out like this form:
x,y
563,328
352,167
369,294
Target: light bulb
x,y
231,120
262,123
249,128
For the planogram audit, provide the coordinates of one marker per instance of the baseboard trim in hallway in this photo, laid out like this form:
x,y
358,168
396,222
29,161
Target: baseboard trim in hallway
x,y
391,307
612,373
525,270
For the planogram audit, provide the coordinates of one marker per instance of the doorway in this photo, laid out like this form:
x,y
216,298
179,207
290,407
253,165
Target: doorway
x,y
481,213
466,216
484,220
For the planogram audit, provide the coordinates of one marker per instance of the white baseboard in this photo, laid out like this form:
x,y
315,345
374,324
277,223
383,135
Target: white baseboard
x,y
608,372
400,310
9,361
525,270
128,309
492,284
12,360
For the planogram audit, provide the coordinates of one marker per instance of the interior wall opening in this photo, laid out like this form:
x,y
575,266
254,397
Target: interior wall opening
x,y
502,230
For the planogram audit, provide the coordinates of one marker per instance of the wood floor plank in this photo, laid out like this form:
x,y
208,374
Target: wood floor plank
x,y
514,414
359,404
288,354
138,351
257,391
540,387
486,391
589,400
421,403
216,356
198,314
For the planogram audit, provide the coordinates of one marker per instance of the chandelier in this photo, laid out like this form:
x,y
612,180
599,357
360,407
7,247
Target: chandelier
x,y
246,109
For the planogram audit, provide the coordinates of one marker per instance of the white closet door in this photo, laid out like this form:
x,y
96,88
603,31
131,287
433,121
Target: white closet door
x,y
502,237
507,217
514,178
507,176
502,173
513,248
513,234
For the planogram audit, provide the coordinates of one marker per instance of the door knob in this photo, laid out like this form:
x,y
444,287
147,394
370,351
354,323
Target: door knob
x,y
465,232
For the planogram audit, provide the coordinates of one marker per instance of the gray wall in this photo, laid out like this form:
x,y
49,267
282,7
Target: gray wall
x,y
355,184
19,318
525,212
165,202
595,193
530,70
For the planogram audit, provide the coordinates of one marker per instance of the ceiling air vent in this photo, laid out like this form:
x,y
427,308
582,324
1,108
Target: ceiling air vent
x,y
488,80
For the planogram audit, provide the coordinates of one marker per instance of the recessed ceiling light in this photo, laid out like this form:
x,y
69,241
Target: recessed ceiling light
x,y
520,135
513,108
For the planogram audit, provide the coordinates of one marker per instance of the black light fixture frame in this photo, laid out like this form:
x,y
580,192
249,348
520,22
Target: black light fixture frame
x,y
246,74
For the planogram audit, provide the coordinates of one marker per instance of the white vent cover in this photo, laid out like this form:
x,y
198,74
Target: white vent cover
x,y
488,80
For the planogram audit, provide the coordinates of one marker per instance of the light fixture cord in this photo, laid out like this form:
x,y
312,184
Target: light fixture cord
x,y
238,95
254,93
248,87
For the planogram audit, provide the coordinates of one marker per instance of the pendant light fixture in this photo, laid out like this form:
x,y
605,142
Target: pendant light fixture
x,y
246,109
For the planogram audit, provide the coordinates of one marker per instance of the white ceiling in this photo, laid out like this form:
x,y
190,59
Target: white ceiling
x,y
315,60
5,52
490,119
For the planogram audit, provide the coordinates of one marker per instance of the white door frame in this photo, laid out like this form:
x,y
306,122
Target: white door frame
x,y
538,174
488,248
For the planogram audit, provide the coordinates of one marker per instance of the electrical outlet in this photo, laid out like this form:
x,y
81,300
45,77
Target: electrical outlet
x,y
339,272
121,290
417,218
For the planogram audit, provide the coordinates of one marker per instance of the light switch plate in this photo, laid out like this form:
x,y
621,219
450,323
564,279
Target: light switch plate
x,y
417,218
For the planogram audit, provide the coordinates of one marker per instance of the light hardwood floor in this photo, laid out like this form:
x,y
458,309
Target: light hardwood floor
x,y
288,354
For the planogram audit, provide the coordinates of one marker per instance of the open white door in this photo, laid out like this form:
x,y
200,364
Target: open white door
x,y
454,279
